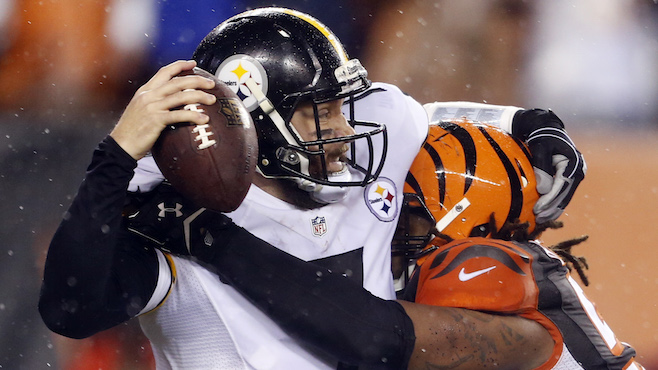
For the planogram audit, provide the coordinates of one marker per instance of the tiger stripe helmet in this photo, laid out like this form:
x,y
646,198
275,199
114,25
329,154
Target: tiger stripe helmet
x,y
468,172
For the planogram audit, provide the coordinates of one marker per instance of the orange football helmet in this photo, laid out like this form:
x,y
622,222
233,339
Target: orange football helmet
x,y
466,173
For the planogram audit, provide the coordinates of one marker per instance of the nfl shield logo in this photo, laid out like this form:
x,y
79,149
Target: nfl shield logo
x,y
319,226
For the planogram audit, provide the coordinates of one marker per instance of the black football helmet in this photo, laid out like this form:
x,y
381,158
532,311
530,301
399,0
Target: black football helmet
x,y
275,58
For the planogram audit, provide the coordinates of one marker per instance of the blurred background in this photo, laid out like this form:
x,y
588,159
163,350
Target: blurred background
x,y
68,67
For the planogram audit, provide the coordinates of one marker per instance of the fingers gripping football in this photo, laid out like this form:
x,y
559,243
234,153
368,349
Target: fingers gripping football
x,y
152,107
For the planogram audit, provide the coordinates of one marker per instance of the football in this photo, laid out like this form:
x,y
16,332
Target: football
x,y
212,165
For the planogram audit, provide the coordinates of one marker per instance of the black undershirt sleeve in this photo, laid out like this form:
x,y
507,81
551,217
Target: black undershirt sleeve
x,y
96,274
311,303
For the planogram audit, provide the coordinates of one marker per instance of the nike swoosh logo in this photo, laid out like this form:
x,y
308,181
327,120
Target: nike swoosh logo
x,y
465,276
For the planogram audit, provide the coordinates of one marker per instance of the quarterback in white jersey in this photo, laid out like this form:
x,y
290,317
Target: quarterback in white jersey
x,y
352,236
328,190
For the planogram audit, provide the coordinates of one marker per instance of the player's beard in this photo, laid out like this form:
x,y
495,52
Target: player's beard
x,y
335,161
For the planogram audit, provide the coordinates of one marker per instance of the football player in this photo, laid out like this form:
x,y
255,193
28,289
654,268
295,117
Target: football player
x,y
334,151
486,294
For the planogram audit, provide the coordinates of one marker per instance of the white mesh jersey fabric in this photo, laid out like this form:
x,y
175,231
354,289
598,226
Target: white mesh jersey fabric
x,y
566,361
186,332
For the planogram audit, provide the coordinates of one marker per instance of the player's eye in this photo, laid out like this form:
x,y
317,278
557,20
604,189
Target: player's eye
x,y
324,114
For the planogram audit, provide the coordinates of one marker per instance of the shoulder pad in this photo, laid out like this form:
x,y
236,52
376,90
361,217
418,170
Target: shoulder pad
x,y
479,274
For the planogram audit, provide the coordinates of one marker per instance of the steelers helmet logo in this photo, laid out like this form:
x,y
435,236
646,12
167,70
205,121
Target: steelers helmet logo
x,y
236,70
381,199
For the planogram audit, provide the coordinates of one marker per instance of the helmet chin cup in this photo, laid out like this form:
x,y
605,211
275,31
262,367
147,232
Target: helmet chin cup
x,y
326,194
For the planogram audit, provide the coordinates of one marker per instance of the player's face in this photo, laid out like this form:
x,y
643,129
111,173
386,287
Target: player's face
x,y
413,228
332,123
414,223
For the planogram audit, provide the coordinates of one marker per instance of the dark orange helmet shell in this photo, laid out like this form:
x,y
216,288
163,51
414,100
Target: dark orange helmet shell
x,y
468,171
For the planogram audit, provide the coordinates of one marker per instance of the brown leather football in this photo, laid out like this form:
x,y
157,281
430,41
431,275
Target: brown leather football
x,y
213,164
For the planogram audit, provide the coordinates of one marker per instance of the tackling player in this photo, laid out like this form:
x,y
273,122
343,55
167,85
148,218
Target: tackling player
x,y
469,224
334,153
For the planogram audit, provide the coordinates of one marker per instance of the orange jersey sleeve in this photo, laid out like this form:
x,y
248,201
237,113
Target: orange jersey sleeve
x,y
479,274
528,280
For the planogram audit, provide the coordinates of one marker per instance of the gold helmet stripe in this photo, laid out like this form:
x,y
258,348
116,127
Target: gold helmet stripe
x,y
322,28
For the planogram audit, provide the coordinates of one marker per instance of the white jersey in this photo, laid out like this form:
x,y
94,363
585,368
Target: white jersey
x,y
204,323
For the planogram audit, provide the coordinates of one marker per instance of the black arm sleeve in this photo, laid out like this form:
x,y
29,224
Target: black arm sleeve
x,y
96,274
313,304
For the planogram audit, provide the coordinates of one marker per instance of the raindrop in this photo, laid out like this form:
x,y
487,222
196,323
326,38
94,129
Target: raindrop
x,y
2,306
10,253
105,229
72,281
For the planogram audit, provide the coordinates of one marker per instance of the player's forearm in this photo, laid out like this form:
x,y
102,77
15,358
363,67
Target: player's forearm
x,y
458,338
80,257
313,304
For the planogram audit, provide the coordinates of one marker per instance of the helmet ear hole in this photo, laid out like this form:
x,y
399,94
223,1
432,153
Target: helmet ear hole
x,y
481,230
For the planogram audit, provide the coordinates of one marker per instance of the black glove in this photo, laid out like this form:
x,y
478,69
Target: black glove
x,y
170,222
559,166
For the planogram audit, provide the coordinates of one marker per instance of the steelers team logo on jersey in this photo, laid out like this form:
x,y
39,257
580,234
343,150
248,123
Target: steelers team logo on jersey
x,y
380,199
236,70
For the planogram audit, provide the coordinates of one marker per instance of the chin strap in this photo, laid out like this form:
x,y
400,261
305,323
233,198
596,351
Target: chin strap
x,y
326,194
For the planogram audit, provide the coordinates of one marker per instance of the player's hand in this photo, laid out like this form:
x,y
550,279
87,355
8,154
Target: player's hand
x,y
559,166
152,107
166,220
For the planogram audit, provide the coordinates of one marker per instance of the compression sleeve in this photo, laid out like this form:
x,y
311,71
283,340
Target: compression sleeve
x,y
313,304
96,276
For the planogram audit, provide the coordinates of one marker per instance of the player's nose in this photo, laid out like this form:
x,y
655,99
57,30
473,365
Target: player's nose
x,y
342,128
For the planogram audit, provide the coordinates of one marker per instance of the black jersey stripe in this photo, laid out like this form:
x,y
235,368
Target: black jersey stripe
x,y
559,302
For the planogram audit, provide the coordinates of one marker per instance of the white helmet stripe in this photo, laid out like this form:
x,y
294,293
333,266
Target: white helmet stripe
x,y
452,214
266,105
